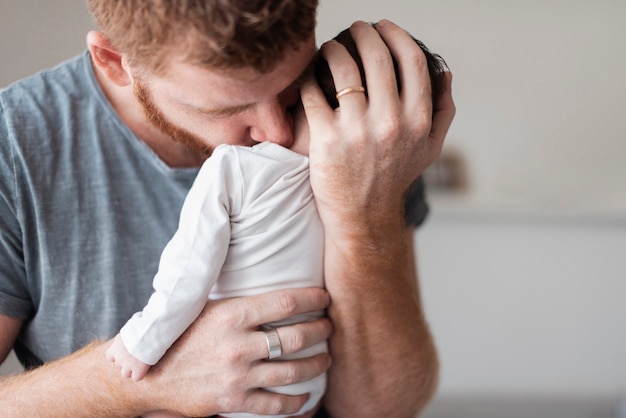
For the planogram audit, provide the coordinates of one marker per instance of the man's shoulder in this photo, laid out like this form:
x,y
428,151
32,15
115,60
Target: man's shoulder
x,y
39,107
38,91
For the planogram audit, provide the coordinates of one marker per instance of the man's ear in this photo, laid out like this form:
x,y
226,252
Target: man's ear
x,y
107,59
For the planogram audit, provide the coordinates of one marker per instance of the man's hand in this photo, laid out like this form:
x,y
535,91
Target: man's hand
x,y
216,366
365,154
219,360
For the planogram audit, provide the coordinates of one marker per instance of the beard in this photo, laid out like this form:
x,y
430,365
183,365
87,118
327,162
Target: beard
x,y
160,121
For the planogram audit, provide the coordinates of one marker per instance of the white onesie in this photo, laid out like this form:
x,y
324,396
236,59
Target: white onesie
x,y
249,225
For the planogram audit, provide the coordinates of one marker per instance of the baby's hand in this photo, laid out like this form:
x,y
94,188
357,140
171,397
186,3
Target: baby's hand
x,y
126,362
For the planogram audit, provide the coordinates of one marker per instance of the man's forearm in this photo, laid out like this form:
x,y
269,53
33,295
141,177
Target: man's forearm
x,y
85,384
80,385
384,360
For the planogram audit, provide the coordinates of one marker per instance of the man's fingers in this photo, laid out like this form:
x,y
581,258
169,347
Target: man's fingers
x,y
286,372
267,403
412,66
253,311
378,66
444,112
282,304
317,110
346,77
297,337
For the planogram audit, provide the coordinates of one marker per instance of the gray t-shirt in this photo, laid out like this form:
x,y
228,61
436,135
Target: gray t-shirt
x,y
86,209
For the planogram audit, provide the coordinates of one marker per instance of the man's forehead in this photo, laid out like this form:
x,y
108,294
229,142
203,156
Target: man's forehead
x,y
236,86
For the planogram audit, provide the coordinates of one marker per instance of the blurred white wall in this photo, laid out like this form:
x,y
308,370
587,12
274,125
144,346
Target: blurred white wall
x,y
526,307
35,35
523,276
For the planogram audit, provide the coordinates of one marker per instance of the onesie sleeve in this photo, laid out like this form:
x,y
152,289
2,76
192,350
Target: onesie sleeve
x,y
190,264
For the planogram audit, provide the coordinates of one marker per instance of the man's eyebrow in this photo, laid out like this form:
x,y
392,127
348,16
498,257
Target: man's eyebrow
x,y
223,111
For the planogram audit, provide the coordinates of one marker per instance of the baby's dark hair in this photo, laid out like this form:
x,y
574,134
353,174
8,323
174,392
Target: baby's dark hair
x,y
436,68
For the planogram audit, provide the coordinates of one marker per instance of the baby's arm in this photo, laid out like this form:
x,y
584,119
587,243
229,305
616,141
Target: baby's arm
x,y
188,269
126,362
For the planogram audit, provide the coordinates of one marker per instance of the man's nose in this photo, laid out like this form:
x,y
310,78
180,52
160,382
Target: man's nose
x,y
273,123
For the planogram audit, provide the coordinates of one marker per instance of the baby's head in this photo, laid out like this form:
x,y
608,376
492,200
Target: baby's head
x,y
436,68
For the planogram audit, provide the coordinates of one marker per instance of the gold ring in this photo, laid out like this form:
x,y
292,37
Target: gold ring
x,y
348,90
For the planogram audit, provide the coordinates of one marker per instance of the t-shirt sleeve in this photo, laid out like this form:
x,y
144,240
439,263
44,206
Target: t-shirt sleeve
x,y
415,206
14,297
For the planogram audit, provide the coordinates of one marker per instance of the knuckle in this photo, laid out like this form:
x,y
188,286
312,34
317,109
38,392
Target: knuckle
x,y
275,407
357,135
354,130
234,355
343,71
286,304
234,397
332,139
230,404
381,57
416,57
291,374
389,127
234,318
298,340
421,126
214,313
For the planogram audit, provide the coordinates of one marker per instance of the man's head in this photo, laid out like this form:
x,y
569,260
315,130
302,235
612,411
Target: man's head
x,y
436,68
207,72
223,34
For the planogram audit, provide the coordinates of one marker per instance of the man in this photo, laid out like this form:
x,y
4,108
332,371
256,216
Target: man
x,y
97,155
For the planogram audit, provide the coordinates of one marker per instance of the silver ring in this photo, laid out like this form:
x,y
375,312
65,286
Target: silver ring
x,y
274,348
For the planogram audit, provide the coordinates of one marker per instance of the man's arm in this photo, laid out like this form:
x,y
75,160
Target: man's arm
x,y
214,367
384,359
363,158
